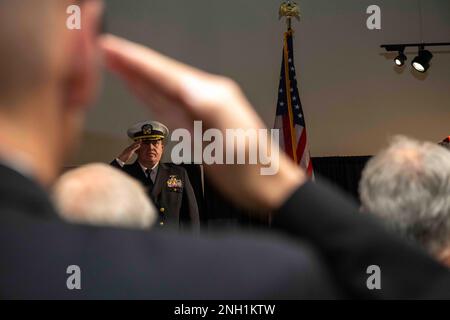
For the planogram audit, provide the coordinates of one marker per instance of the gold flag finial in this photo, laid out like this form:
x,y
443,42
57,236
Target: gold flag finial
x,y
289,9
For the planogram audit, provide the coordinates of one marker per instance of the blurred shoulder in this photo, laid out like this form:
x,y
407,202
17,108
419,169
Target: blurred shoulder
x,y
121,263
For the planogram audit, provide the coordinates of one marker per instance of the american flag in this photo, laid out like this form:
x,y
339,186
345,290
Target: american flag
x,y
290,119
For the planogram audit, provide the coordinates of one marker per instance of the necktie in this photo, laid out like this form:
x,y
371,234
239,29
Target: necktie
x,y
150,183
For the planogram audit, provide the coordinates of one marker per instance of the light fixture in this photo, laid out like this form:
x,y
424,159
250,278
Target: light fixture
x,y
401,58
421,63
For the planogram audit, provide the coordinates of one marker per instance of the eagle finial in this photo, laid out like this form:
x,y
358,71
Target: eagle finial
x,y
289,9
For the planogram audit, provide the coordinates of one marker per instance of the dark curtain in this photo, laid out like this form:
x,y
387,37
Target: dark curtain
x,y
222,213
195,177
344,172
218,212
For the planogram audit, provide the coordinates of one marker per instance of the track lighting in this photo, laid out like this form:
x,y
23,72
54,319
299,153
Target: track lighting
x,y
421,63
401,58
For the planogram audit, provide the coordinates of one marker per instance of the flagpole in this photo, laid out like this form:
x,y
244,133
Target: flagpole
x,y
289,9
291,119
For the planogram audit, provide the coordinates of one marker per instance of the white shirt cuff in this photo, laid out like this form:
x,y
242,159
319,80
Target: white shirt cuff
x,y
120,162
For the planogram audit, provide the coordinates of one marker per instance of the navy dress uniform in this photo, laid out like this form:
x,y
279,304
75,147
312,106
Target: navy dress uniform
x,y
167,185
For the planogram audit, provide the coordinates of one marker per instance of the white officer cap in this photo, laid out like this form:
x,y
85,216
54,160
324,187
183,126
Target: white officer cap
x,y
148,130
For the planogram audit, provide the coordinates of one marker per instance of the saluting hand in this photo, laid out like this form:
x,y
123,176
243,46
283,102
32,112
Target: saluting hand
x,y
126,154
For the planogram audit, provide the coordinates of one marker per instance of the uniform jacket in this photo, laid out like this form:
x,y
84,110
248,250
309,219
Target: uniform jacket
x,y
172,194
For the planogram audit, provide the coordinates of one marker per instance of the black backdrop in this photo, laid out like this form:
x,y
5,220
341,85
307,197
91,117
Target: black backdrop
x,y
217,212
345,172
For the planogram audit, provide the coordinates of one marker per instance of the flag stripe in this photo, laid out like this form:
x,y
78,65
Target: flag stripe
x,y
301,145
288,147
289,117
289,100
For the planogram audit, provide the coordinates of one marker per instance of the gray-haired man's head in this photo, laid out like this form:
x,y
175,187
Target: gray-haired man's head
x,y
99,194
408,185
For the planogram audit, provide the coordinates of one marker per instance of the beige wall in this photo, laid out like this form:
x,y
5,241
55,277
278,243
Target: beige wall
x,y
352,97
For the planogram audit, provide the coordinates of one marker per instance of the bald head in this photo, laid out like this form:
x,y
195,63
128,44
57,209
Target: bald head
x,y
30,32
48,72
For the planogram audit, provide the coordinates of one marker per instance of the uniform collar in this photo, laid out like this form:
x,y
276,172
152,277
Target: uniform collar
x,y
144,169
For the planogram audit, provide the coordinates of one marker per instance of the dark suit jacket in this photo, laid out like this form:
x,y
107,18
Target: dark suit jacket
x,y
176,206
36,248
351,242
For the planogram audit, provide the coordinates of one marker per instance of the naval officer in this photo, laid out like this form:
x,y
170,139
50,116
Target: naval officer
x,y
167,185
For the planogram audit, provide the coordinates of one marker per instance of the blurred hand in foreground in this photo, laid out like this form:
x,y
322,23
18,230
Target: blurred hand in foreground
x,y
180,94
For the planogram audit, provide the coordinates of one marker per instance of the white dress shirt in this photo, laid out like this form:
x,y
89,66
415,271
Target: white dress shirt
x,y
153,173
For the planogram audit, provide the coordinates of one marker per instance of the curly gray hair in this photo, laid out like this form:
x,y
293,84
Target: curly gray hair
x,y
408,185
